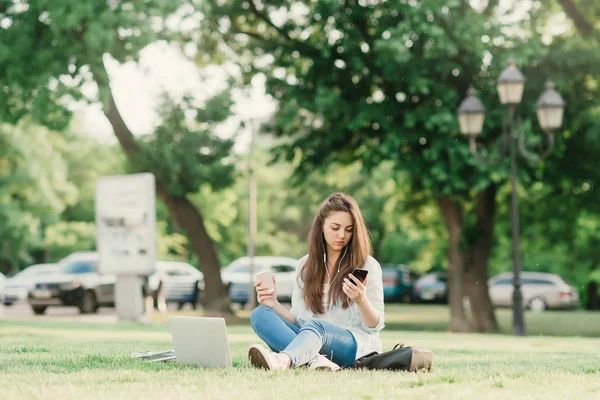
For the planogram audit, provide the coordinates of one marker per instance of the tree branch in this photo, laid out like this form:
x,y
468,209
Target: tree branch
x,y
253,35
464,4
183,212
265,43
491,6
266,19
306,49
124,135
581,23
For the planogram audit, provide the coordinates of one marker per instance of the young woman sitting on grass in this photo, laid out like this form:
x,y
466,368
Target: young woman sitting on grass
x,y
334,319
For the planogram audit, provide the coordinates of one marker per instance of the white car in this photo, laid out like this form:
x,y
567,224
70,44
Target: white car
x,y
540,291
236,276
17,288
175,282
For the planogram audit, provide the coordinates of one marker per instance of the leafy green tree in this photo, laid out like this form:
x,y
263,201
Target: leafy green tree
x,y
371,81
358,80
88,159
64,46
285,210
560,211
66,237
33,190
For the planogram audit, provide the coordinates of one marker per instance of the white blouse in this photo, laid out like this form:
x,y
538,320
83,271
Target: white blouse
x,y
367,339
324,316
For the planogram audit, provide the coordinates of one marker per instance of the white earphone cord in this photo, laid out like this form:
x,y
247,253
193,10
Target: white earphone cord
x,y
327,270
339,263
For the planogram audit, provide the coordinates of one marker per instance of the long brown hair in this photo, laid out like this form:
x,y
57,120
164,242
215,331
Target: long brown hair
x,y
356,252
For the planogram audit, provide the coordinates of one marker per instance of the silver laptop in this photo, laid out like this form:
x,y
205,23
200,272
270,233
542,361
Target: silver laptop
x,y
200,341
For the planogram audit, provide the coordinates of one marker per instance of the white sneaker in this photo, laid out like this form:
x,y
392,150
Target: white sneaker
x,y
265,359
322,363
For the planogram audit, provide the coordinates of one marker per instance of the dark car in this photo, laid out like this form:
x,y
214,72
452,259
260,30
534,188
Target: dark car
x,y
398,283
432,287
17,287
78,284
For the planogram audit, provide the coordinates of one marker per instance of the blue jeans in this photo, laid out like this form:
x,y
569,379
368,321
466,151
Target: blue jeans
x,y
304,343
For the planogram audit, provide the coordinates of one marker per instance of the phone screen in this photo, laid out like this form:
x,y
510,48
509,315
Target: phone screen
x,y
361,274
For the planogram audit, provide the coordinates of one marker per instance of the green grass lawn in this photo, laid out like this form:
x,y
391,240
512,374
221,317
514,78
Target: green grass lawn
x,y
62,360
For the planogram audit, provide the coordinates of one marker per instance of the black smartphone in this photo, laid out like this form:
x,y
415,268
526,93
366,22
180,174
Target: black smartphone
x,y
361,274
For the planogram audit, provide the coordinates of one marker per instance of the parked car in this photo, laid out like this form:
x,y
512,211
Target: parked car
x,y
237,276
432,287
398,283
540,291
17,287
77,284
175,282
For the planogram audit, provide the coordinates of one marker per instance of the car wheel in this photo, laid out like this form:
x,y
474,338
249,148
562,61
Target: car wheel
x,y
8,304
406,298
39,310
537,304
88,303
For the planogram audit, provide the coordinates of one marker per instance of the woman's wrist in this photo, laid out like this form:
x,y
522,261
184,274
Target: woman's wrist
x,y
276,306
284,312
368,313
362,301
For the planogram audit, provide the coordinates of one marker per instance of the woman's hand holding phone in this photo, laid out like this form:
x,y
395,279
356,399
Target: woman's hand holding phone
x,y
355,289
265,291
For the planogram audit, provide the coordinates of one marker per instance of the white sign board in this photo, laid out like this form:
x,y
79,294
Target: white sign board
x,y
126,224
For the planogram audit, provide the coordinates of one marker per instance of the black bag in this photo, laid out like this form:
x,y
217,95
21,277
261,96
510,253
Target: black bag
x,y
400,358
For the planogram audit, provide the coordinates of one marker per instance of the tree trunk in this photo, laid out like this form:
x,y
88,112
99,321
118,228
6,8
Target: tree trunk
x,y
477,256
593,301
215,299
453,219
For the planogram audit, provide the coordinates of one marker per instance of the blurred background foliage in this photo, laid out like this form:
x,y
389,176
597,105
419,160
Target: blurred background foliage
x,y
367,93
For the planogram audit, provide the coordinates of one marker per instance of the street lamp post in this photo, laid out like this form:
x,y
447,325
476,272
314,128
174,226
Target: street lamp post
x,y
251,215
471,114
254,109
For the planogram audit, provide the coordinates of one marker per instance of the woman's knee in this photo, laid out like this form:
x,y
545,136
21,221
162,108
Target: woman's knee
x,y
314,325
259,315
